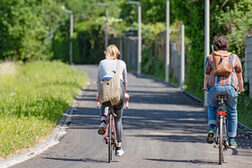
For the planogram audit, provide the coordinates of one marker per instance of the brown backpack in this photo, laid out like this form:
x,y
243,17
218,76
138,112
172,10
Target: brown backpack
x,y
222,65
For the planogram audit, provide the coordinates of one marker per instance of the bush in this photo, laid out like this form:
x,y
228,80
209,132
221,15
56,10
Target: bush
x,y
88,44
25,26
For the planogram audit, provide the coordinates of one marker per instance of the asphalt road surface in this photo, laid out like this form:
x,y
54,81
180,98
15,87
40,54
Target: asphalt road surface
x,y
163,128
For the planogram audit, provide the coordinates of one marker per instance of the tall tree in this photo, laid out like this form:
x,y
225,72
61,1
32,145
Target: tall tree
x,y
25,25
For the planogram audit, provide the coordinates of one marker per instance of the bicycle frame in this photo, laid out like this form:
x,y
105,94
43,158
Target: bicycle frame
x,y
108,125
110,134
221,130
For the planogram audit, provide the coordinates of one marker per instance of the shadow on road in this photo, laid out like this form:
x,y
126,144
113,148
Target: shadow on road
x,y
184,161
175,138
186,125
78,160
149,97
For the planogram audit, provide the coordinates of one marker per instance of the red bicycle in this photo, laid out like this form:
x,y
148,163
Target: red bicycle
x,y
110,133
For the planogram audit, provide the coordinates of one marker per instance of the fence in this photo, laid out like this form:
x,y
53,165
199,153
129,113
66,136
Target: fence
x,y
128,48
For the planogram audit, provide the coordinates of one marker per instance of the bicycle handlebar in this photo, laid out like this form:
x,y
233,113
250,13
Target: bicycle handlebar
x,y
126,95
97,101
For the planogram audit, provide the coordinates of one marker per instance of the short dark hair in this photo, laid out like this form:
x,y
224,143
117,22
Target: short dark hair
x,y
221,42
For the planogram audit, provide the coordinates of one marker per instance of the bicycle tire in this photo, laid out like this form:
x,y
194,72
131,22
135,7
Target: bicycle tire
x,y
221,140
110,139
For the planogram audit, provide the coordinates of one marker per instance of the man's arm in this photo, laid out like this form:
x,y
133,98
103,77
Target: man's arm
x,y
206,78
207,74
238,70
240,82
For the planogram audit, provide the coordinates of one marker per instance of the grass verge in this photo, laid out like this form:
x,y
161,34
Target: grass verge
x,y
33,98
245,110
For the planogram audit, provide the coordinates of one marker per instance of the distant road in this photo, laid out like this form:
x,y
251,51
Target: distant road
x,y
163,128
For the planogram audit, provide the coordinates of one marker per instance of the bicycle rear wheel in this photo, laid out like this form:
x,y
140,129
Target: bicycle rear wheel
x,y
221,141
110,139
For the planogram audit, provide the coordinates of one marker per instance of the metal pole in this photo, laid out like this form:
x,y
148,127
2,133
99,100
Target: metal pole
x,y
106,29
182,72
71,35
167,60
121,47
139,41
207,38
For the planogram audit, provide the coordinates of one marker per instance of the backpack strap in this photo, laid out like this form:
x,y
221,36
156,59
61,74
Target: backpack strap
x,y
117,67
232,61
210,60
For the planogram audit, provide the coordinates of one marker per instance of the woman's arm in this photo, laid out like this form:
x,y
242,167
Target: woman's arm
x,y
125,78
98,81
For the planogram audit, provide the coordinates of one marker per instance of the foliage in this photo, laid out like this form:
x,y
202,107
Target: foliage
x,y
89,27
153,11
153,66
88,43
193,19
233,22
25,24
82,10
33,99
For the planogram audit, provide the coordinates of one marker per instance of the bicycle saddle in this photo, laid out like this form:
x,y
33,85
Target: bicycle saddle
x,y
222,95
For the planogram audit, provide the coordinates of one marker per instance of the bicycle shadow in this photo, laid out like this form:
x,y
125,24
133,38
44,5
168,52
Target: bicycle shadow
x,y
195,161
79,160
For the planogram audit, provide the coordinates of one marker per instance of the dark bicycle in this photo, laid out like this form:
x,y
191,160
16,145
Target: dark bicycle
x,y
221,131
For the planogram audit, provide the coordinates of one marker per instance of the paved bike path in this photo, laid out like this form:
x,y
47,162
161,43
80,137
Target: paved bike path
x,y
163,128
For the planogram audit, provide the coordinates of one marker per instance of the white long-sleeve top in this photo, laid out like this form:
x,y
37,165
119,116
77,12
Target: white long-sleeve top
x,y
107,68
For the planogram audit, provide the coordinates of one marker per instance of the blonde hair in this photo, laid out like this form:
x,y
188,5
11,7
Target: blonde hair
x,y
112,52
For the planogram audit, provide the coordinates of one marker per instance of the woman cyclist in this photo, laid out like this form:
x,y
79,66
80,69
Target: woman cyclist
x,y
106,70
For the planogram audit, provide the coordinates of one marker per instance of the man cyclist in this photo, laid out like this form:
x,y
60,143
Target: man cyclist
x,y
230,85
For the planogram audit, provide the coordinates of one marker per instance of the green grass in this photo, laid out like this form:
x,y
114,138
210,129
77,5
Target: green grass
x,y
33,98
196,92
244,109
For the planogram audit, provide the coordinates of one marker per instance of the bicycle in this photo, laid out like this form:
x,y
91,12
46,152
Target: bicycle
x,y
110,132
221,130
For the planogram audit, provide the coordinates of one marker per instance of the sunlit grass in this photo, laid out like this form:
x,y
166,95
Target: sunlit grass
x,y
33,98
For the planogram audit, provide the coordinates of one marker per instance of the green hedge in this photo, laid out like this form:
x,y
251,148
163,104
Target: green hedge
x,y
88,44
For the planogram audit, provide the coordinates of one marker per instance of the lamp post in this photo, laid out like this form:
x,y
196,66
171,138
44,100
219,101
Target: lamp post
x,y
167,53
139,58
106,25
71,35
182,72
207,37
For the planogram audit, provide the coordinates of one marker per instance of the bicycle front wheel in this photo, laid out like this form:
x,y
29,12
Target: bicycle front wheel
x,y
221,141
110,139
